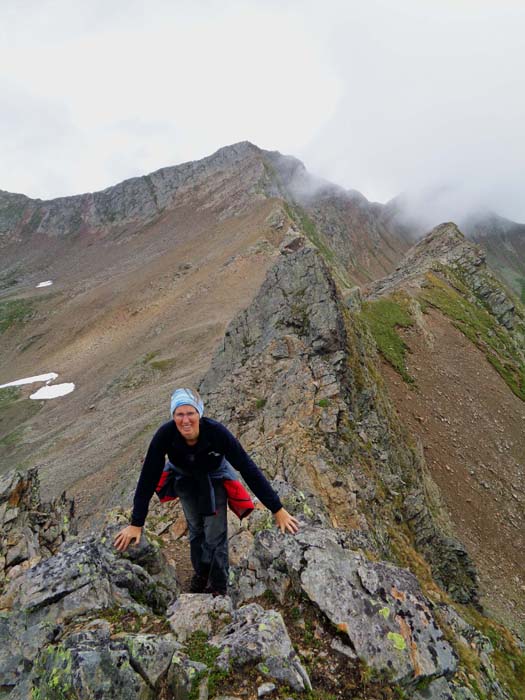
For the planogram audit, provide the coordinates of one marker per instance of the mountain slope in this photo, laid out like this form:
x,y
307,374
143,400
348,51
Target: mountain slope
x,y
143,271
408,457
462,358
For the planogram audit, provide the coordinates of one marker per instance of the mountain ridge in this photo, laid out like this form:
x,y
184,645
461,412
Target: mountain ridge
x,y
136,309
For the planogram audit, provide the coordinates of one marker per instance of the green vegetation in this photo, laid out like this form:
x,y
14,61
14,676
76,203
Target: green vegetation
x,y
480,327
198,649
54,675
164,365
121,620
15,311
9,395
508,659
383,317
317,239
260,403
7,280
323,403
522,289
12,438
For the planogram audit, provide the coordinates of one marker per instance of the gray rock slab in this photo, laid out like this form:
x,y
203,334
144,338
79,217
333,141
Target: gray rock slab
x,y
88,665
378,606
382,610
20,641
151,654
197,611
258,636
82,577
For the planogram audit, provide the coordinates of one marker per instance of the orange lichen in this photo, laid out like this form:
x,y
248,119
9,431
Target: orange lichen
x,y
398,595
412,646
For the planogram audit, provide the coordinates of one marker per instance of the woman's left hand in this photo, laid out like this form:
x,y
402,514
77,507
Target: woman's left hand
x,y
285,521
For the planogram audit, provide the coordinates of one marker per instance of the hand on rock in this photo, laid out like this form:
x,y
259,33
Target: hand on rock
x,y
125,537
286,522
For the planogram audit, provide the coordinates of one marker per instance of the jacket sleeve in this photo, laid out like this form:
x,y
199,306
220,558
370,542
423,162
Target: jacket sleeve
x,y
149,476
258,483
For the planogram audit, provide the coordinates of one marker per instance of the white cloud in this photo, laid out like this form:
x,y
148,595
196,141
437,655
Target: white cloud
x,y
379,96
166,86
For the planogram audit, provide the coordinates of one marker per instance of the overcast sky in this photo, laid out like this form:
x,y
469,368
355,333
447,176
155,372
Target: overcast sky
x,y
380,96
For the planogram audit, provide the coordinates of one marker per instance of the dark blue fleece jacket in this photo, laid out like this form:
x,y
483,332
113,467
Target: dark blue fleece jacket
x,y
198,462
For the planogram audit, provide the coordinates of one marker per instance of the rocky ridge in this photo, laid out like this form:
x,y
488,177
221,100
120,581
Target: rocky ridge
x,y
77,615
332,433
445,252
461,347
134,201
87,620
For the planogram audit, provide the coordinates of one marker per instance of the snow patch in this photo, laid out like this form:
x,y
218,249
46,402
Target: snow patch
x,y
30,380
52,391
49,391
47,283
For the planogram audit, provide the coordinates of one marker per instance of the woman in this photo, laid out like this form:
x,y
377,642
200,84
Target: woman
x,y
198,447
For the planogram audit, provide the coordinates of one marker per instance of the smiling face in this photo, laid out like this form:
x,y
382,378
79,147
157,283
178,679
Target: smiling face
x,y
187,421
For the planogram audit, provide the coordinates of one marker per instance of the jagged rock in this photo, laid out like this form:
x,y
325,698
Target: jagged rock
x,y
344,649
292,335
239,545
332,421
91,664
20,642
446,246
451,565
265,689
31,530
183,675
81,579
197,611
258,636
379,607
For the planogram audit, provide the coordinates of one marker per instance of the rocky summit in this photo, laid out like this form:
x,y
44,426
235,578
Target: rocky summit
x,y
379,384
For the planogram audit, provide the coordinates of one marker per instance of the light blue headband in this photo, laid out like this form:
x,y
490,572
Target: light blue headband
x,y
185,397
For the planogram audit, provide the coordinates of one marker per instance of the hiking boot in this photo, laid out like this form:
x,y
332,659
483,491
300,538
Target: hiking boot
x,y
198,584
215,591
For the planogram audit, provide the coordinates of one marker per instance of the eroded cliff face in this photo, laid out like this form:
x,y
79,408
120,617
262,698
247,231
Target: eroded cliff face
x,y
296,380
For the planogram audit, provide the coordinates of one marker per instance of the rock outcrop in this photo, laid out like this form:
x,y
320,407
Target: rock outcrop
x,y
294,379
377,607
445,246
91,622
31,530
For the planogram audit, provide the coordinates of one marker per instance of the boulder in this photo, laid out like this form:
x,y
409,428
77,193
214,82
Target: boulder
x,y
91,664
83,579
31,530
192,612
258,636
378,608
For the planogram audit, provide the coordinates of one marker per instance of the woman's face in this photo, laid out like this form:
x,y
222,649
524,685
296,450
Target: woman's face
x,y
187,421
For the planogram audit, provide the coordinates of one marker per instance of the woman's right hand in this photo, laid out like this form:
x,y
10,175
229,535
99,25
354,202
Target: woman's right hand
x,y
126,536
